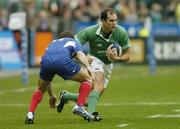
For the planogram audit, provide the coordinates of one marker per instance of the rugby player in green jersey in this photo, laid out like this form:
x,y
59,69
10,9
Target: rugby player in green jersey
x,y
100,37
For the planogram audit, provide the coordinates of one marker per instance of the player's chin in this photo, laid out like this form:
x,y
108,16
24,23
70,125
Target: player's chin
x,y
112,29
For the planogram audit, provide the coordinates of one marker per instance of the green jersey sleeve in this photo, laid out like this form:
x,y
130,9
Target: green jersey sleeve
x,y
123,38
82,36
86,35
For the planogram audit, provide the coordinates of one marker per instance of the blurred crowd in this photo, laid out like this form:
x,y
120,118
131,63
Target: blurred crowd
x,y
59,15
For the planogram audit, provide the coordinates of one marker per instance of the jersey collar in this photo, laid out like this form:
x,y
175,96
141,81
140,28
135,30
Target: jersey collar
x,y
98,32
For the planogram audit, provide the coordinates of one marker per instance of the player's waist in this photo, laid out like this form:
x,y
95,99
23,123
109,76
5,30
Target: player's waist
x,y
101,58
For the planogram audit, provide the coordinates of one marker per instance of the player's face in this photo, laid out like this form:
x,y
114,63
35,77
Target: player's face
x,y
110,23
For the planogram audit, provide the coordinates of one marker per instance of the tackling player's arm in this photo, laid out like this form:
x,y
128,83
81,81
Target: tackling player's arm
x,y
81,57
52,97
83,60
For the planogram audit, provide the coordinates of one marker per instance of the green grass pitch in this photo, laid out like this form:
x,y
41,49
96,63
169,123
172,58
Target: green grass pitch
x,y
134,99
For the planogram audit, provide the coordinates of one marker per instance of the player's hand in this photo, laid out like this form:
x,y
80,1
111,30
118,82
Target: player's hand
x,y
52,101
111,53
90,60
90,71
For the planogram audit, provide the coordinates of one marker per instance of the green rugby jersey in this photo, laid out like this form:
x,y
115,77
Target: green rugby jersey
x,y
98,44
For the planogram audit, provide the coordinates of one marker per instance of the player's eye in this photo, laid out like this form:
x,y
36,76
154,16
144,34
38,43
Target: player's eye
x,y
113,20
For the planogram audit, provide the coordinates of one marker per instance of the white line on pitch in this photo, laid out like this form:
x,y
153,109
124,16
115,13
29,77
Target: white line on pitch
x,y
122,125
164,116
176,110
23,89
13,105
139,104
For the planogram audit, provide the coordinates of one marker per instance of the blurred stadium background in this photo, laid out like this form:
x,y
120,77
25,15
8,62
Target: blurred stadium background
x,y
145,86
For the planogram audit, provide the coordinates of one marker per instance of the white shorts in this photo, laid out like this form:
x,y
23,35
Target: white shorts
x,y
99,66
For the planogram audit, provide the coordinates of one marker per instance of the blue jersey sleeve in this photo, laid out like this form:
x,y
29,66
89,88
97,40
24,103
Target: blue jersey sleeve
x,y
77,47
73,44
65,45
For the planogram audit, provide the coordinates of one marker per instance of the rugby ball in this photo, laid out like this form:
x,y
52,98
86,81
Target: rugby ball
x,y
118,48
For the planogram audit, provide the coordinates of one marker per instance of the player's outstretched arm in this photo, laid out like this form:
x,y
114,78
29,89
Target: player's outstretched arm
x,y
52,97
83,59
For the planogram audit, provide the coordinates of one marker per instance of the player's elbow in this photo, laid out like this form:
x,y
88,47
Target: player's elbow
x,y
127,55
126,58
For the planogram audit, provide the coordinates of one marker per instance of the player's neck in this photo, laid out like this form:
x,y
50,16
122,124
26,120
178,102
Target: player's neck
x,y
105,34
103,30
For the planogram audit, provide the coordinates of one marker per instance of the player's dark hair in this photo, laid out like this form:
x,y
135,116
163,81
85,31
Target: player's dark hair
x,y
104,13
66,34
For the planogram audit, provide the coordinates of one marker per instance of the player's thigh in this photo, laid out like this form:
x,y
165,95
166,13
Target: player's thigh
x,y
107,73
99,81
46,73
98,68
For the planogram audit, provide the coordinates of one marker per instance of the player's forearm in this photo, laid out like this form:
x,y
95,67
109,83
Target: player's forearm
x,y
125,56
50,91
82,59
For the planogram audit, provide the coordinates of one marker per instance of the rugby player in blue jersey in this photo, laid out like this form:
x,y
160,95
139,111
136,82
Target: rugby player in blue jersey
x,y
58,59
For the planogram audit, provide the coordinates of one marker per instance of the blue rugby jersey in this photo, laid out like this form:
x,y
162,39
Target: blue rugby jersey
x,y
65,46
58,59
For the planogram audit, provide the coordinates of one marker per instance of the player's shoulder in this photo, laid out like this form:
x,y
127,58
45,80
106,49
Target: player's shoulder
x,y
120,29
89,32
92,28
